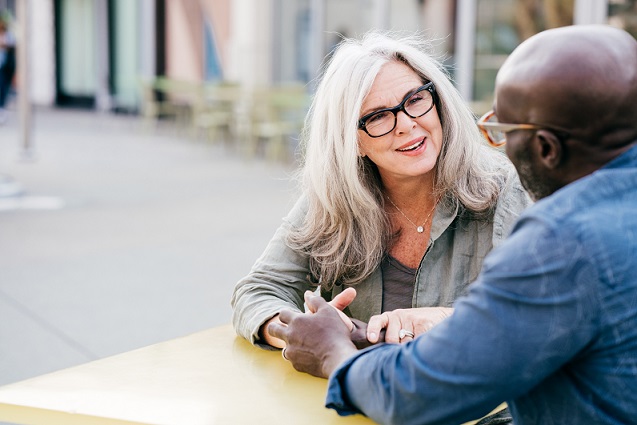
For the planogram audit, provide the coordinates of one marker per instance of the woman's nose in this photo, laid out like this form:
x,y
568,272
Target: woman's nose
x,y
404,122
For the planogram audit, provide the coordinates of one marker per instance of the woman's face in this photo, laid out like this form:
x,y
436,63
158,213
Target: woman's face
x,y
411,149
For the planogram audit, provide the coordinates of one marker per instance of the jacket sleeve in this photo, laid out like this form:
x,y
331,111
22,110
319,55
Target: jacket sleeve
x,y
277,281
513,330
512,201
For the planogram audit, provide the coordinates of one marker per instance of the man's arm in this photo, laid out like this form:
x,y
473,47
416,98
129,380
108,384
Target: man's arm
x,y
525,317
532,309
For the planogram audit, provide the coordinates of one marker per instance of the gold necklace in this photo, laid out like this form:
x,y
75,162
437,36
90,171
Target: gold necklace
x,y
419,229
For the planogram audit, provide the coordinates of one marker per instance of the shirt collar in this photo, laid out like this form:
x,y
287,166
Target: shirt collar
x,y
445,213
627,158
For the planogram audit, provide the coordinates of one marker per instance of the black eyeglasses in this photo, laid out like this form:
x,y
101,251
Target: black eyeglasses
x,y
416,104
495,132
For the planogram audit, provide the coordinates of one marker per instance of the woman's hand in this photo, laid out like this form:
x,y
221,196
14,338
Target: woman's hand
x,y
265,334
416,320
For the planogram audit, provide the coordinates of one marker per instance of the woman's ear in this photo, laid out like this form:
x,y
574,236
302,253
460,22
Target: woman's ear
x,y
551,152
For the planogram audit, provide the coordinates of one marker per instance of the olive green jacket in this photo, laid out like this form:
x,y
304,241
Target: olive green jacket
x,y
458,244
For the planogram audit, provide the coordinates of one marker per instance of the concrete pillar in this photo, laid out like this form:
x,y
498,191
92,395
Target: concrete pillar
x,y
42,52
590,12
317,43
103,101
249,42
465,47
24,67
147,38
381,14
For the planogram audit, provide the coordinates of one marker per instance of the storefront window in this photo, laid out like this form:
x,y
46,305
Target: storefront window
x,y
503,24
77,63
124,54
623,14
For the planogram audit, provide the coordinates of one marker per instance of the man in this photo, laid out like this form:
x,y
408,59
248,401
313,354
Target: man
x,y
550,325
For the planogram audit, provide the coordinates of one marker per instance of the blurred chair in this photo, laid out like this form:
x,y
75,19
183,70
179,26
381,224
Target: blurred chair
x,y
167,98
215,111
276,120
151,106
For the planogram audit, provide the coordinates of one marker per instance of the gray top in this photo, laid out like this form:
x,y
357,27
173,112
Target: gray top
x,y
398,284
458,244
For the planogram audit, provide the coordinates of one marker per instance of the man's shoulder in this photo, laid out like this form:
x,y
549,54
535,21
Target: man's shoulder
x,y
613,186
592,218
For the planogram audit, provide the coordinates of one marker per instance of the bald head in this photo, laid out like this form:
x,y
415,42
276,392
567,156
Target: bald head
x,y
578,84
580,78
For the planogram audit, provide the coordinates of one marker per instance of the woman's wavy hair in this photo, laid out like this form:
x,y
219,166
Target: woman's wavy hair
x,y
346,230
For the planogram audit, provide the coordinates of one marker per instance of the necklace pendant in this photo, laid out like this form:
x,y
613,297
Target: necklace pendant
x,y
420,229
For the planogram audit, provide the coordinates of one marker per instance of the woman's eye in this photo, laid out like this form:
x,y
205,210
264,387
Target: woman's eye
x,y
377,117
415,99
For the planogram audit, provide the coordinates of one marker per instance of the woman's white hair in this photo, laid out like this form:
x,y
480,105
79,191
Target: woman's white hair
x,y
346,230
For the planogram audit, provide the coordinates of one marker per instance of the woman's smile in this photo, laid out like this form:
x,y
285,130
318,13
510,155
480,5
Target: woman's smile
x,y
412,147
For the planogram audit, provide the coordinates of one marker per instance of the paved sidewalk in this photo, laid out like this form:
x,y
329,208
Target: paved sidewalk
x,y
121,237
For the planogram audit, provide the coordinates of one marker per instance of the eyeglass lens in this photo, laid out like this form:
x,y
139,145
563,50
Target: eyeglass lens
x,y
383,122
496,137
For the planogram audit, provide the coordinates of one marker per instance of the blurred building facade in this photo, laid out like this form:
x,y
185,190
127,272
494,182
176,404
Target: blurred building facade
x,y
93,53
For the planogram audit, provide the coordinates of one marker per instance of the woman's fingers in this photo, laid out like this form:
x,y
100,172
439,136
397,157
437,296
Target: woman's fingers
x,y
404,325
311,306
375,325
342,300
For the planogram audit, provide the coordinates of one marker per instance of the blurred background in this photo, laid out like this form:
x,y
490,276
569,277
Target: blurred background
x,y
147,149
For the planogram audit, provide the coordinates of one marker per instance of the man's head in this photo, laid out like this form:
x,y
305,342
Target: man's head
x,y
579,85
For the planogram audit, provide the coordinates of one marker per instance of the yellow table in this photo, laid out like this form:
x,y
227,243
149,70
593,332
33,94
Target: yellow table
x,y
210,377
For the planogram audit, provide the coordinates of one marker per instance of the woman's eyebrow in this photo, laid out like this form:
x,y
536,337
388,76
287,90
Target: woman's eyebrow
x,y
378,108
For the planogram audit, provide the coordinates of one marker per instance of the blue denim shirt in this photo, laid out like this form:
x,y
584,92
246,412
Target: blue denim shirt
x,y
550,325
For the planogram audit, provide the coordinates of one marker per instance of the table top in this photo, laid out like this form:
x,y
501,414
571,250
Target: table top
x,y
210,377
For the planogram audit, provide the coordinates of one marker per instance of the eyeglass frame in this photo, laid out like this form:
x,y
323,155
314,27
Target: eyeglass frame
x,y
400,107
505,128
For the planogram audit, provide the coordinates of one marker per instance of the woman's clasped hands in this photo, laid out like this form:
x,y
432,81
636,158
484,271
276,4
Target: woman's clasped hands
x,y
396,326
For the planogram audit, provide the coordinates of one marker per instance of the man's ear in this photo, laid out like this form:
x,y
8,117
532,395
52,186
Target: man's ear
x,y
551,152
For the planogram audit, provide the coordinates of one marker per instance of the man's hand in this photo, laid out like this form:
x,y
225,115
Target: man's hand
x,y
359,335
315,343
416,320
340,302
357,327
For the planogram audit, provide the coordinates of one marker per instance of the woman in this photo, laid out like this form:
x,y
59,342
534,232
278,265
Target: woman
x,y
401,198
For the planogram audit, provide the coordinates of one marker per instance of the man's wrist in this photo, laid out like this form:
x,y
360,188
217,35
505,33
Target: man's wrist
x,y
337,358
